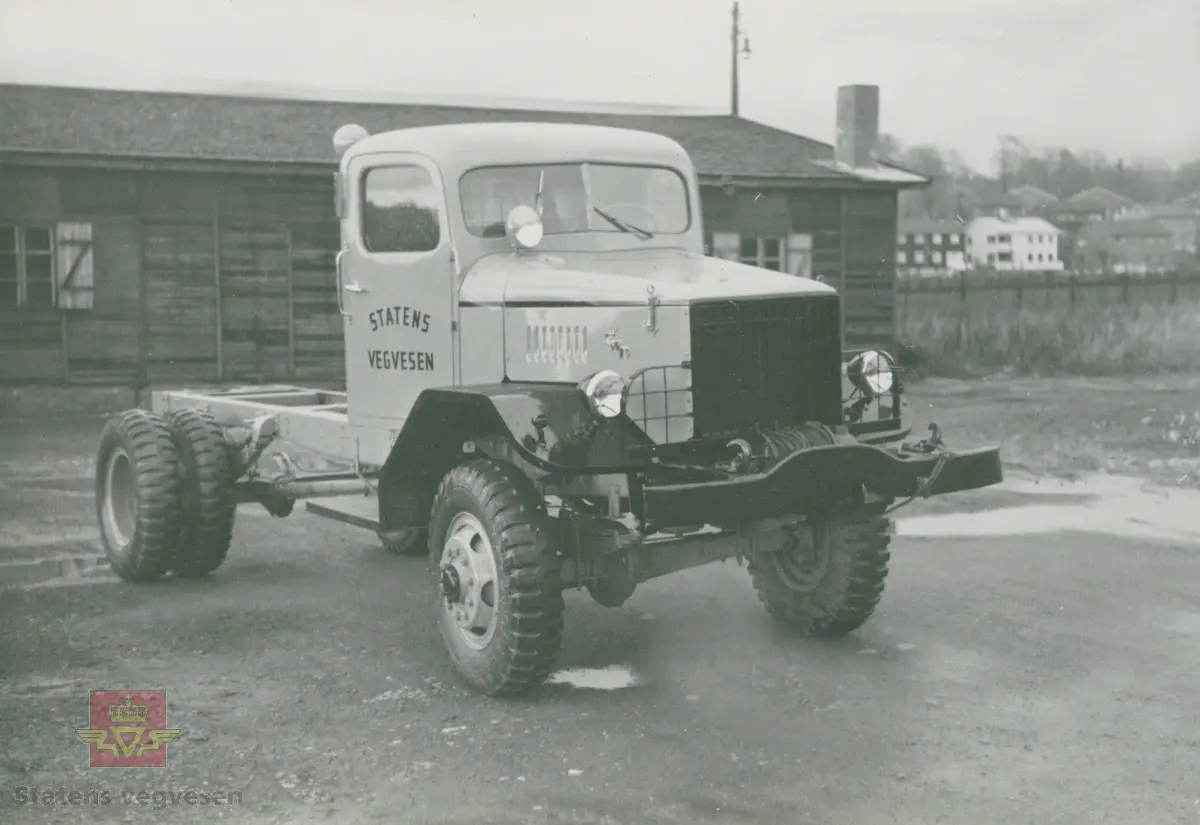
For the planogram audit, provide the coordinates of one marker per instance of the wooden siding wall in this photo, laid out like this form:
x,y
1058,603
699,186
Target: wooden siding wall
x,y
869,226
202,277
854,245
198,277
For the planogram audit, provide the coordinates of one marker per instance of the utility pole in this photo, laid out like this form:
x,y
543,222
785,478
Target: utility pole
x,y
741,46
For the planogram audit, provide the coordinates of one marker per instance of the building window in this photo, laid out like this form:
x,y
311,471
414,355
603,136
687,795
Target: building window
x,y
900,239
399,210
766,253
901,257
919,238
937,239
1031,256
953,240
1004,238
991,238
935,257
26,266
1004,257
919,256
1040,257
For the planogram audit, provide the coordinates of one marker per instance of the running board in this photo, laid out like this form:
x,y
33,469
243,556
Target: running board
x,y
357,511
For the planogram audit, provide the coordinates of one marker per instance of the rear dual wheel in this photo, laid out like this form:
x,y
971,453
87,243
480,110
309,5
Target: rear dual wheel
x,y
208,504
164,494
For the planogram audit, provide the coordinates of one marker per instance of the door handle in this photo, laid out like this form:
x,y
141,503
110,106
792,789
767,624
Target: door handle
x,y
337,268
353,288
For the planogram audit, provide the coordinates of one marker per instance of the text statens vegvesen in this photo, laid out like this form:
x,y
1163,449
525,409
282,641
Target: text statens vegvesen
x,y
399,360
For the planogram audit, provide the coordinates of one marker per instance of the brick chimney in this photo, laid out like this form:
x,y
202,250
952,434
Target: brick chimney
x,y
857,125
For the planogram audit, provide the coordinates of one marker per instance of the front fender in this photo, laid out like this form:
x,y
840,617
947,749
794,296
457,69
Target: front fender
x,y
548,425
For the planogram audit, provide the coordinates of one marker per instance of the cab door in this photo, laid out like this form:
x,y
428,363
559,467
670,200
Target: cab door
x,y
396,286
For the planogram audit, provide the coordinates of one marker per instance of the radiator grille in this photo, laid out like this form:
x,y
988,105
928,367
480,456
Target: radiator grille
x,y
766,364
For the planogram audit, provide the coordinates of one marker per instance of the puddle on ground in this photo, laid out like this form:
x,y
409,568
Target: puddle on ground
x,y
1113,505
614,677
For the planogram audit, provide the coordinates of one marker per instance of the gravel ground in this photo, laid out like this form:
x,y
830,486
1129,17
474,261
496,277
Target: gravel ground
x,y
1046,679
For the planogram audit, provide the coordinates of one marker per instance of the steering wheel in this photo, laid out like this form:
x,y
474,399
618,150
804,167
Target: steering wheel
x,y
649,224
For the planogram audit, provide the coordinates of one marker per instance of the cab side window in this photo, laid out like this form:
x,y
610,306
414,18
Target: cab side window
x,y
400,210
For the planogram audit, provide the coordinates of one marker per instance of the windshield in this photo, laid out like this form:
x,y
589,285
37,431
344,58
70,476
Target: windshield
x,y
578,197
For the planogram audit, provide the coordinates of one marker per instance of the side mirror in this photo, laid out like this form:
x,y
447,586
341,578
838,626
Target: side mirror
x,y
524,227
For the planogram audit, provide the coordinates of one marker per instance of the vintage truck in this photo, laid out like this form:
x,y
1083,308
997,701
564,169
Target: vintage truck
x,y
549,385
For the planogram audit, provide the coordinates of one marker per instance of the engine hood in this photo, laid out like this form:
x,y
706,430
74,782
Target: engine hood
x,y
624,279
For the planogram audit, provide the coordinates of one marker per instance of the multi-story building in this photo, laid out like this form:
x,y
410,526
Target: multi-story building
x,y
930,246
1183,222
1013,244
1112,204
1126,246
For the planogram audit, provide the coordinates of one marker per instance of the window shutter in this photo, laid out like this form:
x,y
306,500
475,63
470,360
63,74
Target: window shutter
x,y
74,268
799,255
726,245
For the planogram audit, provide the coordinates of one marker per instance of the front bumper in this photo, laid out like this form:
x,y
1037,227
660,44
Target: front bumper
x,y
812,478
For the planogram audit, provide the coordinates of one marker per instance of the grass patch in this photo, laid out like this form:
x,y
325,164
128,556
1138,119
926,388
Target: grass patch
x,y
1144,426
974,338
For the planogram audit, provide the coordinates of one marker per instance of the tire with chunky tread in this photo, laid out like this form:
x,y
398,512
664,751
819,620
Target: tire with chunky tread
x,y
851,589
209,506
523,652
145,440
411,542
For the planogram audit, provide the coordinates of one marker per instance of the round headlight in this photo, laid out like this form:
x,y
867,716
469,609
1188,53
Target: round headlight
x,y
872,371
524,227
605,393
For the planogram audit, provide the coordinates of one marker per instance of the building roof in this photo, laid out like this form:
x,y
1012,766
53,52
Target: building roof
x,y
1191,200
189,126
930,226
1069,208
1143,228
1101,196
1005,200
1038,225
1170,210
1032,195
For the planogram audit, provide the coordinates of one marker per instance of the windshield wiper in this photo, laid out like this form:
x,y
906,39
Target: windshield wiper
x,y
645,235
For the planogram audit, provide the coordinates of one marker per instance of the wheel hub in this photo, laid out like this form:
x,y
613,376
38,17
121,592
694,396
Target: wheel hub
x,y
451,584
120,505
468,581
803,560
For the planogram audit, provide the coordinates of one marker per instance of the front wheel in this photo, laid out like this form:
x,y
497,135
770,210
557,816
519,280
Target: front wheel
x,y
827,577
500,605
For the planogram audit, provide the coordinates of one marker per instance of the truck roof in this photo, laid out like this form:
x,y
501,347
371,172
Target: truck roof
x,y
467,145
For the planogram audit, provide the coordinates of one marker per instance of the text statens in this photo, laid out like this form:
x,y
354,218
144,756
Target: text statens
x,y
398,316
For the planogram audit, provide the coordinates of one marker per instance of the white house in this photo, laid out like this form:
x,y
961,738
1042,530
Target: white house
x,y
1013,244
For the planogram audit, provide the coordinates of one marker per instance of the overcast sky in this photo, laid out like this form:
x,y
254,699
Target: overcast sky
x,y
1122,76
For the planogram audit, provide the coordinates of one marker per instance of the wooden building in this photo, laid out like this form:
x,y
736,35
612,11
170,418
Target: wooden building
x,y
188,237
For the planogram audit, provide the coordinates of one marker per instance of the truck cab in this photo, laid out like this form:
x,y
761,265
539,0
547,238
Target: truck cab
x,y
542,252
